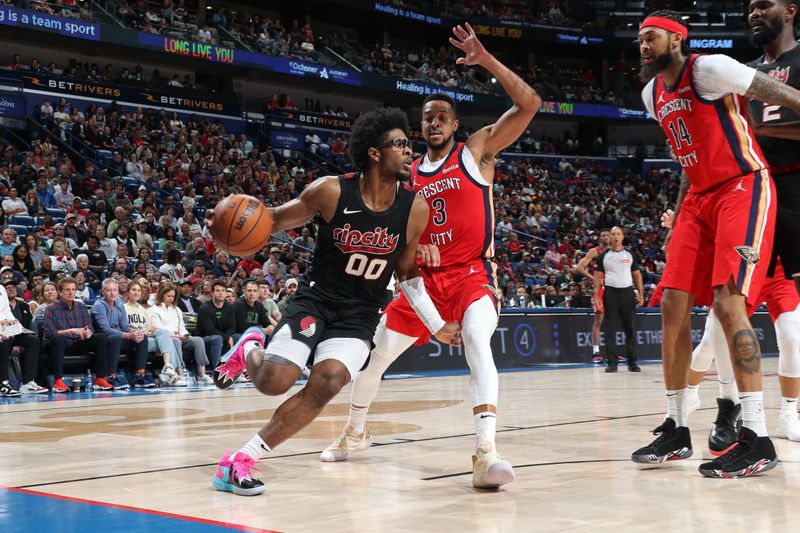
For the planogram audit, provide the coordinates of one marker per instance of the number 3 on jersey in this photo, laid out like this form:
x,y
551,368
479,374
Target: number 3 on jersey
x,y
439,211
680,134
360,265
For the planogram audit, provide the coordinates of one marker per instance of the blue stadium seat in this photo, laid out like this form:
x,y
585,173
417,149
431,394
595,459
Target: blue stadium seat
x,y
23,220
22,231
158,255
132,189
56,212
128,179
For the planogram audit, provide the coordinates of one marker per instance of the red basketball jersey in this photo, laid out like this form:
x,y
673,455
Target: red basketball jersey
x,y
711,139
462,214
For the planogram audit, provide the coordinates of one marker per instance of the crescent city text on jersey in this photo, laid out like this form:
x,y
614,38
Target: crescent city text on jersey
x,y
439,186
674,106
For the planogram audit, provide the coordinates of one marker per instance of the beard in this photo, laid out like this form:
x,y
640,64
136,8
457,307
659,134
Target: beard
x,y
769,32
648,72
441,144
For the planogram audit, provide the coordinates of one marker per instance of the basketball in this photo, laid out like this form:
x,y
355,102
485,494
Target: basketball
x,y
242,225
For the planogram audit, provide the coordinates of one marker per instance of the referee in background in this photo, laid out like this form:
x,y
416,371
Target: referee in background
x,y
617,270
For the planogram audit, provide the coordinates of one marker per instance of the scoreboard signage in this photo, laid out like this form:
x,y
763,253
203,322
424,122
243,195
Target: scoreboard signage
x,y
191,49
181,100
35,20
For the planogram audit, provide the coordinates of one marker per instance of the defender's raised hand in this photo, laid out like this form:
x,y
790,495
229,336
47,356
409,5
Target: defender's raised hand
x,y
468,42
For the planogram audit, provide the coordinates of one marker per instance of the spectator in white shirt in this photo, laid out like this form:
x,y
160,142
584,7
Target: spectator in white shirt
x,y
204,34
13,205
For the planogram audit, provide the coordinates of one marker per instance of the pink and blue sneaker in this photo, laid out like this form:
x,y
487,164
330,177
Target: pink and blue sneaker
x,y
232,363
233,475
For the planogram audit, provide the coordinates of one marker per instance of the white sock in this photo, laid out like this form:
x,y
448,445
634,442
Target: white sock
x,y
753,412
357,419
595,349
255,448
249,345
485,426
729,391
676,407
788,405
693,392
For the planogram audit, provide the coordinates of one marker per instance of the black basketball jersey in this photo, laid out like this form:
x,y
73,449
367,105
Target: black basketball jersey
x,y
782,155
356,252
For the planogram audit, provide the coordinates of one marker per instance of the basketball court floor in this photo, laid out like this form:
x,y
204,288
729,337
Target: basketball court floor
x,y
140,460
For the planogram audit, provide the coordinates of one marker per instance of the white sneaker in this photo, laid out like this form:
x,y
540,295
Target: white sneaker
x,y
32,387
169,371
488,470
343,447
205,379
788,426
178,381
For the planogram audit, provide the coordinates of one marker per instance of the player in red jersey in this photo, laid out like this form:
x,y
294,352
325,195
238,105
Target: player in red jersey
x,y
586,267
456,181
783,304
724,224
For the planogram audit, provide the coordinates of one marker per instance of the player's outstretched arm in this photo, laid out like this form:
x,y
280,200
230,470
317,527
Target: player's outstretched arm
x,y
410,281
588,258
486,142
771,91
321,196
787,130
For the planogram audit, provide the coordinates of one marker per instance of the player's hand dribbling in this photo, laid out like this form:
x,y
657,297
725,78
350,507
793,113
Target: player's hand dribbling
x,y
448,331
429,254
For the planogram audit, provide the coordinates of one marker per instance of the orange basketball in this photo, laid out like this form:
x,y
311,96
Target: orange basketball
x,y
242,225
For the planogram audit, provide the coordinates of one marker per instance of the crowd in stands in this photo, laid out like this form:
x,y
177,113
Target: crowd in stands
x,y
75,9
129,76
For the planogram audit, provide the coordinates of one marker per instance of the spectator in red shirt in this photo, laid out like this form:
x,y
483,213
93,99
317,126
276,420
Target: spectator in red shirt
x,y
248,264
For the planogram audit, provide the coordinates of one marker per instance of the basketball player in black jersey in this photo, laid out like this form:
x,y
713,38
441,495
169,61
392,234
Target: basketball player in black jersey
x,y
369,228
773,27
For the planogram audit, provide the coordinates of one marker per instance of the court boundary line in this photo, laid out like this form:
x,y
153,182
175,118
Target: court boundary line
x,y
229,525
507,429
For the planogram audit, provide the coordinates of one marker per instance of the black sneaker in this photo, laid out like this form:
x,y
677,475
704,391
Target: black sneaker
x,y
726,427
611,368
8,391
621,360
597,359
751,455
633,367
673,443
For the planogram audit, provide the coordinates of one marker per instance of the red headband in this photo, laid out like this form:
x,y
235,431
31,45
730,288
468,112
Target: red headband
x,y
666,24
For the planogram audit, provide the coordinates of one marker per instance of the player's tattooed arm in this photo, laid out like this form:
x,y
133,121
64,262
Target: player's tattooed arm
x,y
488,141
673,217
746,351
682,191
771,91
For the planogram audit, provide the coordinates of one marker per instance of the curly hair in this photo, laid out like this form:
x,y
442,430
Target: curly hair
x,y
370,129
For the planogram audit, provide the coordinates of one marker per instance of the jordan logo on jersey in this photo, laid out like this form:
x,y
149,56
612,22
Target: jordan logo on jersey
x,y
376,242
780,74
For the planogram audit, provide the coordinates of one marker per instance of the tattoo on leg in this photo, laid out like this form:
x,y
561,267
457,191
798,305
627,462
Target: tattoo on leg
x,y
746,351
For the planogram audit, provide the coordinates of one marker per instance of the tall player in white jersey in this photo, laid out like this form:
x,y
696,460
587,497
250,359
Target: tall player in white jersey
x,y
456,181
